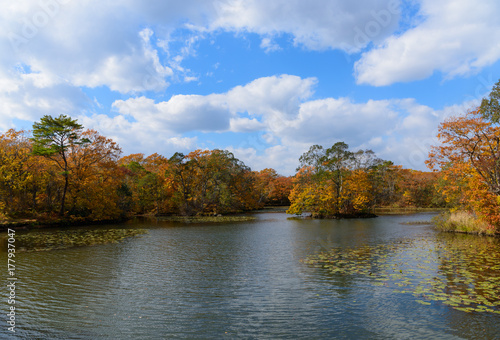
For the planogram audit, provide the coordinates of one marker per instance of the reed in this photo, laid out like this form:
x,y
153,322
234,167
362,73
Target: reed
x,y
463,222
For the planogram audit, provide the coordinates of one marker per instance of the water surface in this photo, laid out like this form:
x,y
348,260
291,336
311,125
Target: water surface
x,y
234,280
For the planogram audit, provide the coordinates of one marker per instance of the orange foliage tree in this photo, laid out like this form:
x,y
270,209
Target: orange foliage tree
x,y
94,192
31,183
418,189
469,158
17,177
212,182
334,182
148,182
273,189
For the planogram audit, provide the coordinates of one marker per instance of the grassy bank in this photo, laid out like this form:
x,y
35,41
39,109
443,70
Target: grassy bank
x,y
14,223
463,222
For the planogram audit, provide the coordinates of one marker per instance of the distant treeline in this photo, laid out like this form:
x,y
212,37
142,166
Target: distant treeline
x,y
59,169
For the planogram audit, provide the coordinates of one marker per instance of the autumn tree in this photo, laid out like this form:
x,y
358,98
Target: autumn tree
x,y
96,177
470,139
385,178
418,189
52,138
16,172
272,188
334,181
469,158
31,184
183,175
132,167
212,182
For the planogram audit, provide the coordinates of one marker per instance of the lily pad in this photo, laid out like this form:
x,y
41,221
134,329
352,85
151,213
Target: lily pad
x,y
62,239
461,272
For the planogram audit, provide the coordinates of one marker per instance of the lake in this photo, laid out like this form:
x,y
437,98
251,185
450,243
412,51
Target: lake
x,y
252,280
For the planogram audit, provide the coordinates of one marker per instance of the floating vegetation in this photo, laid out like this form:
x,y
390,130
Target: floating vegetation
x,y
62,239
418,223
403,211
207,219
456,272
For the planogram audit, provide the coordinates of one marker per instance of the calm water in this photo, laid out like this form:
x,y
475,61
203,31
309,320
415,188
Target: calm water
x,y
234,281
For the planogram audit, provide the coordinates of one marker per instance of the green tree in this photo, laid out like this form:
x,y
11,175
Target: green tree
x,y
490,107
315,157
54,138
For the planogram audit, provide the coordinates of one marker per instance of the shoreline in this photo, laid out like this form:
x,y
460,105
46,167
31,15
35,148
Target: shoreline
x,y
33,223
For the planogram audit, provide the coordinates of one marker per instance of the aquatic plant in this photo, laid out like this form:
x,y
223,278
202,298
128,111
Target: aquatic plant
x,y
62,239
417,223
207,219
457,272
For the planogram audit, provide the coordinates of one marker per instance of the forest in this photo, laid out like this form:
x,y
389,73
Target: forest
x,y
62,171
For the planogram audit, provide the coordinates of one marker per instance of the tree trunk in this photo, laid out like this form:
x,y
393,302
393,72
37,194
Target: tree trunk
x,y
64,194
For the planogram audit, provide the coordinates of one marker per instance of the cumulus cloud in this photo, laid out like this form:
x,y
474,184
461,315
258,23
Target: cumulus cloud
x,y
180,114
454,39
98,43
127,47
333,119
316,25
280,108
269,45
139,136
136,71
282,158
26,97
245,125
275,97
54,50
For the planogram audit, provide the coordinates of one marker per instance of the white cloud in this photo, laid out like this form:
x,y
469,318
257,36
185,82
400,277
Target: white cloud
x,y
281,108
183,143
27,97
455,38
119,45
276,97
316,25
282,158
269,45
62,47
331,120
180,114
138,136
245,125
94,44
136,71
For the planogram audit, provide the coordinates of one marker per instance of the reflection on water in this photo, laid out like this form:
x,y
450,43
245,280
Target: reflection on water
x,y
246,280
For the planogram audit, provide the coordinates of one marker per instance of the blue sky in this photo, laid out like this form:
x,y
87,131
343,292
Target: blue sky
x,y
263,79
